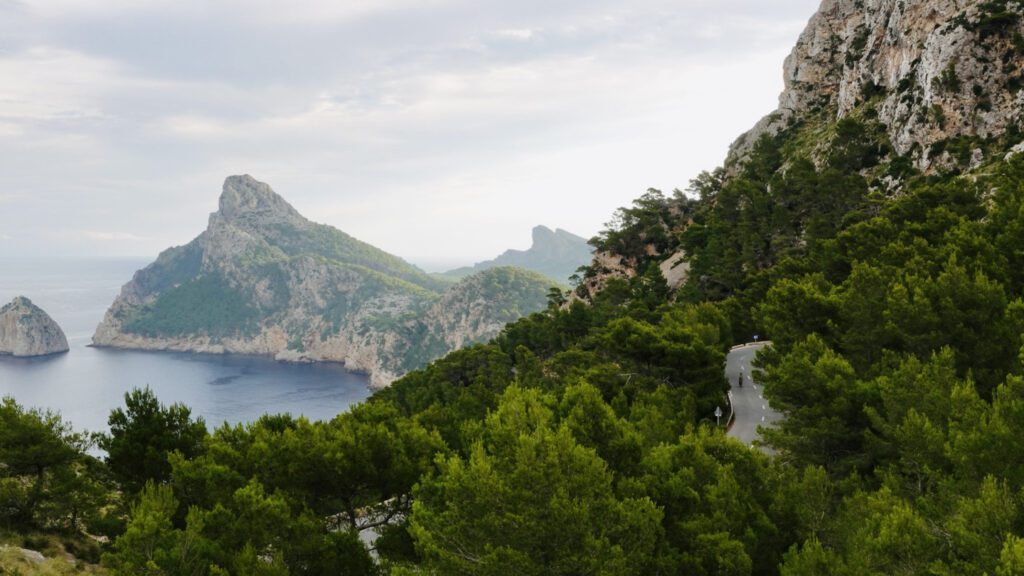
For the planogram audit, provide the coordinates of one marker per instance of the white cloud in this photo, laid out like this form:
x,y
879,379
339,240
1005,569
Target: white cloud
x,y
10,130
194,126
319,11
262,11
390,119
45,84
111,236
516,33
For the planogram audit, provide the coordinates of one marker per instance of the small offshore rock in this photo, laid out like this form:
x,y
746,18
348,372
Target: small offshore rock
x,y
26,330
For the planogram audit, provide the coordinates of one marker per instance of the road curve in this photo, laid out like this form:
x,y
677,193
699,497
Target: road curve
x,y
751,409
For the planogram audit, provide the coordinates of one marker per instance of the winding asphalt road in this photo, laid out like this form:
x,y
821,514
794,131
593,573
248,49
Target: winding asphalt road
x,y
752,410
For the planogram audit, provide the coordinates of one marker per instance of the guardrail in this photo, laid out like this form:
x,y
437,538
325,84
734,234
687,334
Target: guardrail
x,y
758,343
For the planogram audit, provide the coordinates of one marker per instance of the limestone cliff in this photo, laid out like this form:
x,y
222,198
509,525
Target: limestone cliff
x,y
25,330
479,306
944,77
262,279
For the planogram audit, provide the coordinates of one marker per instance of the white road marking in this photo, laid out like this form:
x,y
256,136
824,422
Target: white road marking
x,y
763,407
762,418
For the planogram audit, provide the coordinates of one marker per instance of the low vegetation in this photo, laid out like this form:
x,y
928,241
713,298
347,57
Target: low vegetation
x,y
206,305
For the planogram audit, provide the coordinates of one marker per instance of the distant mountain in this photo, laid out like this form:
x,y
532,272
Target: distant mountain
x,y
555,254
262,279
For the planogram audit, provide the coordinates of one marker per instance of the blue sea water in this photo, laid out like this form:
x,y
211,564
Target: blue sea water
x,y
85,384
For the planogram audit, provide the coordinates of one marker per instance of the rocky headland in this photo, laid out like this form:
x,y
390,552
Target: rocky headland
x,y
262,279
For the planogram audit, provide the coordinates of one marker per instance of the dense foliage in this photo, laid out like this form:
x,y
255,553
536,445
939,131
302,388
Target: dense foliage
x,y
572,411
208,304
144,433
897,360
580,441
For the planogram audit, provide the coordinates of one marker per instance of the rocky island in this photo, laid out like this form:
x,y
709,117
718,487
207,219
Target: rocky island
x,y
26,330
262,279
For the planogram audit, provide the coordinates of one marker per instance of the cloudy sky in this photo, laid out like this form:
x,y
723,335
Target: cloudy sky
x,y
439,130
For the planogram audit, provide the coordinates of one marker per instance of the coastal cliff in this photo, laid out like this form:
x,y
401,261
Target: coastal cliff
x,y
262,279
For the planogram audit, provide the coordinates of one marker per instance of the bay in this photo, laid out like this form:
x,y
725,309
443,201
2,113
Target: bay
x,y
86,383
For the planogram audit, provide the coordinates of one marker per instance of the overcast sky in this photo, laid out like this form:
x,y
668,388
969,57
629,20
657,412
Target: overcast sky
x,y
439,130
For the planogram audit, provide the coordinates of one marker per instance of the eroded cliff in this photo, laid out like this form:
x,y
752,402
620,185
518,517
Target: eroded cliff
x,y
944,77
262,279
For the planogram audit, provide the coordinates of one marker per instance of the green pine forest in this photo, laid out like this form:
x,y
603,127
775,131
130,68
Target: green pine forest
x,y
581,440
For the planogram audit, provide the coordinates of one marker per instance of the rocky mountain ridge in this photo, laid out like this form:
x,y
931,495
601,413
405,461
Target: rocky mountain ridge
x,y
262,279
26,330
554,253
944,77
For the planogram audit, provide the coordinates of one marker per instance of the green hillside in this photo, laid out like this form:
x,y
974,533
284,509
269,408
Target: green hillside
x,y
582,439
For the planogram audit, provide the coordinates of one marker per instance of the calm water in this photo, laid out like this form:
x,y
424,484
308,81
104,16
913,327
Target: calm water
x,y
86,383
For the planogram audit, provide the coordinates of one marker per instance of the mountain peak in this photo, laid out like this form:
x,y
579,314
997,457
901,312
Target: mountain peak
x,y
244,196
542,234
22,302
554,253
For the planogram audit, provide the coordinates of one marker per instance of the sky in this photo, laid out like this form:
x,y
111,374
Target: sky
x,y
442,131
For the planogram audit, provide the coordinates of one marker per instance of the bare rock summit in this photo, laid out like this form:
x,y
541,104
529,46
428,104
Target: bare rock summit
x,y
25,330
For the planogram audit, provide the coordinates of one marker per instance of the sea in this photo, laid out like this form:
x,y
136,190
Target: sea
x,y
86,383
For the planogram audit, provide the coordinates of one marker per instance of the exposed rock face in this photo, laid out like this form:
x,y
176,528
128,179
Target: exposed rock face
x,y
606,266
262,279
479,306
675,269
555,254
25,330
942,69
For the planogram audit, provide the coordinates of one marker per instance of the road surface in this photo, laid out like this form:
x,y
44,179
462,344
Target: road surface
x,y
748,402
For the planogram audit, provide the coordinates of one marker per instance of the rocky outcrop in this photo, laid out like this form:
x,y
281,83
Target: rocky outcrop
x,y
675,269
604,267
937,71
478,307
262,279
25,330
556,254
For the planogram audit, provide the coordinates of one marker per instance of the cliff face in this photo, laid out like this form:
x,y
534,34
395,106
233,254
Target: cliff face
x,y
554,253
478,307
25,330
262,279
937,71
